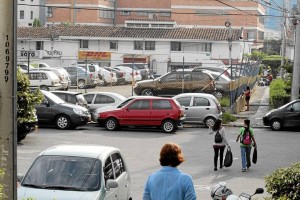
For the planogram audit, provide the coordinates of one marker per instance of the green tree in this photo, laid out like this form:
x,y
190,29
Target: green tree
x,y
36,23
256,55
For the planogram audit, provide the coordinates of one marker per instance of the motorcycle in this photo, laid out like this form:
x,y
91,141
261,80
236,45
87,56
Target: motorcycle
x,y
221,192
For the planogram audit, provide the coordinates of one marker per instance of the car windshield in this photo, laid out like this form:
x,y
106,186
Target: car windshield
x,y
124,103
55,98
64,173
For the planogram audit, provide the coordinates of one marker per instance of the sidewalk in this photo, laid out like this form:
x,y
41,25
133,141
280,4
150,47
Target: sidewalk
x,y
259,106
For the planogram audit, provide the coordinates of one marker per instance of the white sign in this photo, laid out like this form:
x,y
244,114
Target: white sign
x,y
24,54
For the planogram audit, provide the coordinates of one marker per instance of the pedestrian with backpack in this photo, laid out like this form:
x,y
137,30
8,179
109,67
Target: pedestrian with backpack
x,y
219,142
246,139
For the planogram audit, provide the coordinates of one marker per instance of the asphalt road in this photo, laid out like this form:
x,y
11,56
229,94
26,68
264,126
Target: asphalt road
x,y
141,151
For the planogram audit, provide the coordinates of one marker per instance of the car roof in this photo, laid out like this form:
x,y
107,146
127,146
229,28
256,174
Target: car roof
x,y
80,150
109,93
66,92
148,97
195,94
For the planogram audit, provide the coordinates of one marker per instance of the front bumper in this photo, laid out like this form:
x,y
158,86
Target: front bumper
x,y
266,121
80,120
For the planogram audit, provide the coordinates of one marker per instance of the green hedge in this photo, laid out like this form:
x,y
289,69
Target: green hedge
x,y
284,183
278,93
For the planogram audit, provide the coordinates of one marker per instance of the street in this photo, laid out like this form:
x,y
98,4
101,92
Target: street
x,y
141,148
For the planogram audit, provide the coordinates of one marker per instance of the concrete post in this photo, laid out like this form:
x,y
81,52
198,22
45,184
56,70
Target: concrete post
x,y
8,80
296,67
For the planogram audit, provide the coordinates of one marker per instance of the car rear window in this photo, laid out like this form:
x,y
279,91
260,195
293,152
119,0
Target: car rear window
x,y
200,101
184,101
161,104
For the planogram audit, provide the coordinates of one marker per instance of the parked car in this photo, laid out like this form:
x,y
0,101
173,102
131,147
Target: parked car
x,y
142,67
76,98
128,73
100,99
60,72
77,172
45,80
55,111
40,65
80,77
93,70
112,107
200,108
108,77
222,83
119,74
224,70
145,111
24,67
287,115
176,82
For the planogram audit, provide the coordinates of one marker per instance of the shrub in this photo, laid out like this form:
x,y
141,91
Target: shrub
x,y
278,93
284,183
227,117
225,102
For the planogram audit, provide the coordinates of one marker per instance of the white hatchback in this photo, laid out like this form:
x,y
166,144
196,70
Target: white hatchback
x,y
77,172
45,80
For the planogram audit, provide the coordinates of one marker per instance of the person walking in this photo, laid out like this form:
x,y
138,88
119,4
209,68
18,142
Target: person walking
x,y
247,94
169,183
246,139
219,144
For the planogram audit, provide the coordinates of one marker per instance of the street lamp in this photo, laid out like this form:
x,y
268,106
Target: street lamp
x,y
229,38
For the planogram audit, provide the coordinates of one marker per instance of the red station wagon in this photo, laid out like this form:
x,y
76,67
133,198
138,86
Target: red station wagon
x,y
144,111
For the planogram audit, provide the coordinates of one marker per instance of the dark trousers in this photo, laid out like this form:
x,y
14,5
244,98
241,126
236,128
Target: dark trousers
x,y
217,149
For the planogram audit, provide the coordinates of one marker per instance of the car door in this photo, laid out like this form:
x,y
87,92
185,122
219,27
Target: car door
x,y
292,115
108,173
121,176
136,113
73,74
169,85
186,102
161,109
44,111
199,109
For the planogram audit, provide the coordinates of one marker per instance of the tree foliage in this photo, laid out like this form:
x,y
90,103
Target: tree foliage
x,y
36,23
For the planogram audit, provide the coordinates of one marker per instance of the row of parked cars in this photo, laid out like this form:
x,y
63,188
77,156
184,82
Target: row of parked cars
x,y
82,75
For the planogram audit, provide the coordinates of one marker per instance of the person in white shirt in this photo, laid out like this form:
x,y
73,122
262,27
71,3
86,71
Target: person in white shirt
x,y
218,146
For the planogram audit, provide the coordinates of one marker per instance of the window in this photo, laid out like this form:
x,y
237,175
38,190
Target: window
x,y
175,46
108,170
197,77
142,13
140,105
84,44
103,99
107,14
125,13
39,45
205,47
49,12
113,44
149,45
161,105
165,14
200,101
22,14
31,14
138,45
118,164
172,77
89,98
295,107
184,101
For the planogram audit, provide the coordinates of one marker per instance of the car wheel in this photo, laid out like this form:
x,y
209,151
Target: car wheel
x,y
81,84
111,124
276,124
168,126
147,92
218,94
209,121
44,87
62,122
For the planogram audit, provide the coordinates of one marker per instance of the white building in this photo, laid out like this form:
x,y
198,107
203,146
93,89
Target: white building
x,y
28,10
162,49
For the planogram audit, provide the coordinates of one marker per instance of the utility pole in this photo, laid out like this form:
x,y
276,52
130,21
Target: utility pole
x,y
228,25
283,39
8,135
296,67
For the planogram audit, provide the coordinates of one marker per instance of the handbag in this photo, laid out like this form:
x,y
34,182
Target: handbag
x,y
228,158
254,156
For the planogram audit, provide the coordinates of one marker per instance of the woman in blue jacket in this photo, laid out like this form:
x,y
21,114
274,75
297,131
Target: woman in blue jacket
x,y
169,183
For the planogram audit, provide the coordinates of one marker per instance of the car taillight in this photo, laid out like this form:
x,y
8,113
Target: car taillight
x,y
112,74
136,73
181,114
91,75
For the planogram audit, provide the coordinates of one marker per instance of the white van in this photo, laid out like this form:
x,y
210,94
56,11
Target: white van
x,y
45,80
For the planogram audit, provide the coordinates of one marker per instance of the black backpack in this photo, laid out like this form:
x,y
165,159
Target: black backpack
x,y
218,137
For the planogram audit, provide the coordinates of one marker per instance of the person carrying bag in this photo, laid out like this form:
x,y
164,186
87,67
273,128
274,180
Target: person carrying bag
x,y
219,143
228,158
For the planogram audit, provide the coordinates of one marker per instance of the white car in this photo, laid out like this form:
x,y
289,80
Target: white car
x,y
108,77
77,172
128,76
45,80
61,73
200,108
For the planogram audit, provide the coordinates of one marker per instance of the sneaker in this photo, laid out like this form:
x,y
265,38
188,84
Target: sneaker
x,y
243,170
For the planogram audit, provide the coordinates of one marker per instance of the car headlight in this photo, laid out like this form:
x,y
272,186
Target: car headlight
x,y
78,111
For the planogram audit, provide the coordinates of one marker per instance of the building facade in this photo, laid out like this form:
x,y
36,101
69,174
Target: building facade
x,y
161,49
28,10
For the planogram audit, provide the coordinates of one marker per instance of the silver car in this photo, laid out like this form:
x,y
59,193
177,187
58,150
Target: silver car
x,y
100,99
200,108
77,172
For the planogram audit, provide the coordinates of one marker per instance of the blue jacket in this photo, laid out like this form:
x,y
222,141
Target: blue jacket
x,y
169,183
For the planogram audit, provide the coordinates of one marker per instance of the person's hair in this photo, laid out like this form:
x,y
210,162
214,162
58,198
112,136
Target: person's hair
x,y
171,155
217,125
248,87
247,123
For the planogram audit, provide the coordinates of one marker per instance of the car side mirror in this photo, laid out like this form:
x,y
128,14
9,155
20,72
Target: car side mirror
x,y
110,183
